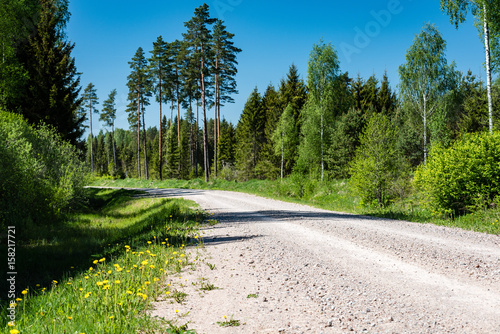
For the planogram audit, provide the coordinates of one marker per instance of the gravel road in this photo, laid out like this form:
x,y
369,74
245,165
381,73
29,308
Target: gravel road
x,y
288,268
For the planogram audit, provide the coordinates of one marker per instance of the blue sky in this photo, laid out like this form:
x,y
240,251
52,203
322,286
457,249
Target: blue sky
x,y
369,36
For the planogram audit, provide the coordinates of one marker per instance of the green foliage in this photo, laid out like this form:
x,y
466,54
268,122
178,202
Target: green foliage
x,y
41,175
463,177
376,165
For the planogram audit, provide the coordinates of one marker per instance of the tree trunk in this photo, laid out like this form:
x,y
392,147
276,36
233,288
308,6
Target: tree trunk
x,y
205,134
425,129
144,144
114,145
215,124
488,66
282,151
160,137
139,135
322,159
91,141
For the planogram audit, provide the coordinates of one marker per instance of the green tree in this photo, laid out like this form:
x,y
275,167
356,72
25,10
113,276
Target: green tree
x,y
139,84
90,99
224,71
250,135
486,13
377,164
159,69
284,136
108,116
51,94
198,39
323,70
423,77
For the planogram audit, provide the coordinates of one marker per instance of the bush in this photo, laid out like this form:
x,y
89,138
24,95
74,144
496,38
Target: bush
x,y
40,174
464,177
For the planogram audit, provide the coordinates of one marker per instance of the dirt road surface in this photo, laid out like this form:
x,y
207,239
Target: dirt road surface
x,y
288,268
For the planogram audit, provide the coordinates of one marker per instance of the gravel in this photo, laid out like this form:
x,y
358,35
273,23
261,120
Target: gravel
x,y
289,268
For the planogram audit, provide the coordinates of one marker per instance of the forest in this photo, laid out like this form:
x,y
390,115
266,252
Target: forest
x,y
386,139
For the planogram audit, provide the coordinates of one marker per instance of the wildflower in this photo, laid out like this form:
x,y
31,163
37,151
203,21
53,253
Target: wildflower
x,y
38,285
176,311
99,283
54,282
69,318
182,255
81,289
14,331
18,299
156,279
167,293
102,260
109,271
69,283
129,292
151,267
90,269
117,282
111,316
144,262
149,242
86,277
106,287
95,262
87,295
147,282
144,296
12,305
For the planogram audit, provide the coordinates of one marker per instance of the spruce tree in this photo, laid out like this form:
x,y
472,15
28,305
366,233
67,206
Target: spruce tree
x,y
51,94
250,135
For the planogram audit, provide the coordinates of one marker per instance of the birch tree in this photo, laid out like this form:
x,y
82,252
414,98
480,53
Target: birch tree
x,y
323,69
90,100
485,12
423,76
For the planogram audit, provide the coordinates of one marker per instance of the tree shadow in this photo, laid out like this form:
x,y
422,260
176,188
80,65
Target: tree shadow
x,y
68,248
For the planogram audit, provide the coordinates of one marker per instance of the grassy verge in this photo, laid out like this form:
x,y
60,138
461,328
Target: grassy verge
x,y
99,271
332,195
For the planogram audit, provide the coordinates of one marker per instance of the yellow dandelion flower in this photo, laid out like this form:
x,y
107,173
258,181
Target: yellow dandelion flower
x,y
25,292
90,269
120,304
111,316
87,295
102,260
86,277
109,271
81,289
151,267
106,287
12,305
54,282
69,283
18,299
117,282
129,292
176,311
163,243
144,296
147,282
175,253
148,252
144,262
14,331
182,255
156,279
167,293
99,283
95,261
69,318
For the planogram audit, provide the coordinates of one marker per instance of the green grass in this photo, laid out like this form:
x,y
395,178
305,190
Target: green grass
x,y
332,195
99,271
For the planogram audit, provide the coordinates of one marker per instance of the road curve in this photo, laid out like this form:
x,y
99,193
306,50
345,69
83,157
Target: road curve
x,y
318,271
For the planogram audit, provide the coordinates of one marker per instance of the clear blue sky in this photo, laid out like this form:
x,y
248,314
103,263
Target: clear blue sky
x,y
369,36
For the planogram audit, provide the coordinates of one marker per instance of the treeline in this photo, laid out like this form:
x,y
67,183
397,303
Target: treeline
x,y
200,69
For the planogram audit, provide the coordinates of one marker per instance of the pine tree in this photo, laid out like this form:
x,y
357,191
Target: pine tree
x,y
198,40
386,98
159,63
89,101
224,72
108,116
139,84
269,162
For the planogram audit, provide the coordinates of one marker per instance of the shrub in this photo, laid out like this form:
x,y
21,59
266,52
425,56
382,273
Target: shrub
x,y
463,177
40,174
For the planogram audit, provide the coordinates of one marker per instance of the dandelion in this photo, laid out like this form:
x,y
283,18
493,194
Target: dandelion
x,y
149,242
81,289
102,260
70,318
147,282
111,316
14,331
109,271
144,262
90,269
18,299
176,311
25,292
87,295
167,293
151,267
129,292
86,277
99,283
69,283
12,305
117,282
54,282
95,261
